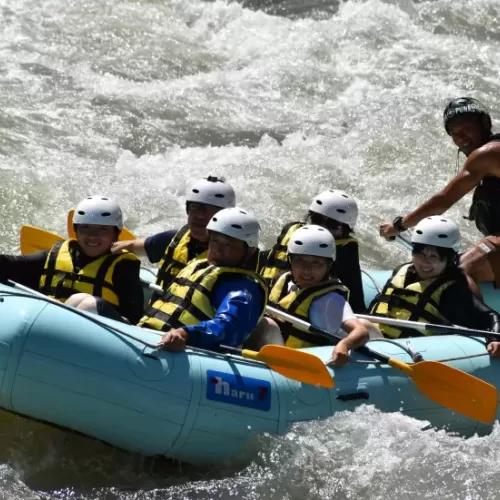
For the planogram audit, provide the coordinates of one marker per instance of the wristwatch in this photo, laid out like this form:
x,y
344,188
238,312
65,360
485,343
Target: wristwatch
x,y
397,223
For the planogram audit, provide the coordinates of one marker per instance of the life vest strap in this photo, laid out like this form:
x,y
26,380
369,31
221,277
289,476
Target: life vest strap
x,y
60,291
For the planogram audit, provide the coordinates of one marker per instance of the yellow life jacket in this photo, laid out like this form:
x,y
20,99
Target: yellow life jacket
x,y
176,257
418,301
277,260
60,279
298,303
188,300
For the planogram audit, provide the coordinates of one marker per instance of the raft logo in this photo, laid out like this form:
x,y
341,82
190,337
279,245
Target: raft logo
x,y
237,390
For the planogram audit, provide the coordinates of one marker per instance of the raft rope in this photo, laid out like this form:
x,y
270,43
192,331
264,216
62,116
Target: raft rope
x,y
115,330
368,362
110,328
408,349
366,273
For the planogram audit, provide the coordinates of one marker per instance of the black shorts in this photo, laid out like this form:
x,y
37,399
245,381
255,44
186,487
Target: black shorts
x,y
108,310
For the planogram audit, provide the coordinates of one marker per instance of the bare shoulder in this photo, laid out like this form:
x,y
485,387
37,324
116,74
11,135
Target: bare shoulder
x,y
484,160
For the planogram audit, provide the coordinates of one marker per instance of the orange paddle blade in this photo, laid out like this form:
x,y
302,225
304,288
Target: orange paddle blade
x,y
294,364
457,390
33,239
124,235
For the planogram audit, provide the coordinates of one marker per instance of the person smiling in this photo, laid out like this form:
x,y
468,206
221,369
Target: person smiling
x,y
468,123
337,212
174,249
311,291
432,288
218,300
82,272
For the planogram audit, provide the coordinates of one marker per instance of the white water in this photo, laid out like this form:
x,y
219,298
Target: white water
x,y
136,99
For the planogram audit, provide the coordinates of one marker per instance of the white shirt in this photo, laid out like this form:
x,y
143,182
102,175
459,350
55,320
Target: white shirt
x,y
328,312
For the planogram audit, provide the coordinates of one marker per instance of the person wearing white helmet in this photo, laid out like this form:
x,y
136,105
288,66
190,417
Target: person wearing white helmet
x,y
468,122
311,291
82,272
215,300
173,249
432,288
338,212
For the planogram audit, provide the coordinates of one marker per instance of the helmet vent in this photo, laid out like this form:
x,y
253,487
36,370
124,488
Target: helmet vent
x,y
298,242
340,210
196,191
323,245
319,202
418,231
218,195
106,214
236,226
442,236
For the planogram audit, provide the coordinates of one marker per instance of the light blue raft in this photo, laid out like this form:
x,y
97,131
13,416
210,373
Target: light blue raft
x,y
198,407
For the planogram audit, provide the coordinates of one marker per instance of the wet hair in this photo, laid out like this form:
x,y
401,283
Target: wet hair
x,y
447,254
328,223
332,273
117,231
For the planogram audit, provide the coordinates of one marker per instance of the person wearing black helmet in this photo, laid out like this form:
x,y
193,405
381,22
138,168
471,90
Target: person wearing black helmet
x,y
468,123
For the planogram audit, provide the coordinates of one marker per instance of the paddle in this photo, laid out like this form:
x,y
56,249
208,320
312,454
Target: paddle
x,y
404,242
125,234
34,239
307,369
444,384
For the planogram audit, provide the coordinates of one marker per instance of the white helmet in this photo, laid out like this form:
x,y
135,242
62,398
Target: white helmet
x,y
238,223
212,191
336,205
98,210
437,231
312,240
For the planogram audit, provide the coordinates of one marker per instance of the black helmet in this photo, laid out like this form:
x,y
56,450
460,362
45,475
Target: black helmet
x,y
464,106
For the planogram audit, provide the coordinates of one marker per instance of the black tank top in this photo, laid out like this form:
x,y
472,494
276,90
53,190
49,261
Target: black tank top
x,y
485,208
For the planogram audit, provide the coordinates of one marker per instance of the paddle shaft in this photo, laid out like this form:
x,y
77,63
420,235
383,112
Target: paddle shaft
x,y
404,242
399,323
319,331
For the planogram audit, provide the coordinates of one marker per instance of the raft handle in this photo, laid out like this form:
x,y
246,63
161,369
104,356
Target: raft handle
x,y
151,352
353,396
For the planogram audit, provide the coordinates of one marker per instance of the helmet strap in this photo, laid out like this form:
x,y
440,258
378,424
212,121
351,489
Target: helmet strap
x,y
242,262
246,255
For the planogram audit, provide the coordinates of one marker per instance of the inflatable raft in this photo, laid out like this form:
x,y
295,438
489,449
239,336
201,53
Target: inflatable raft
x,y
104,379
